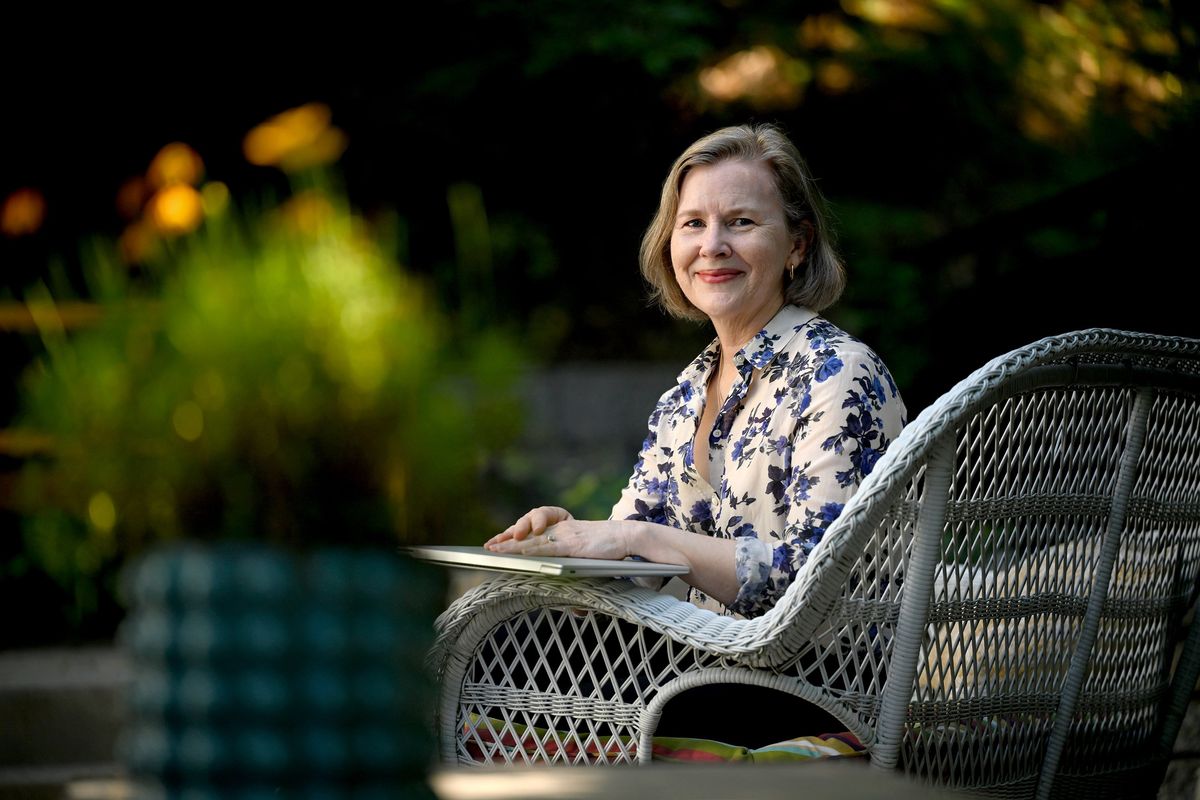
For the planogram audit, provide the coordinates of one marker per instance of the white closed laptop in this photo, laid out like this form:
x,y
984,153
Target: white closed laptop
x,y
481,558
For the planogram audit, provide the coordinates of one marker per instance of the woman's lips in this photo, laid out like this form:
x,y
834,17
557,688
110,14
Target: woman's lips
x,y
718,275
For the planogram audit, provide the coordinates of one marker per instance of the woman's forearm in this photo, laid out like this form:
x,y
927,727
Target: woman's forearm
x,y
710,561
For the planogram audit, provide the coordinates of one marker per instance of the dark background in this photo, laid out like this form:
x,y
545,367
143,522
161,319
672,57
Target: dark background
x,y
1000,171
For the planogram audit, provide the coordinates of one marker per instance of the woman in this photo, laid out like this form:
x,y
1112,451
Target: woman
x,y
756,449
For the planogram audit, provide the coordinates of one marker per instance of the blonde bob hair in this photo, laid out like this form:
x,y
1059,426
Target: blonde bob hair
x,y
821,277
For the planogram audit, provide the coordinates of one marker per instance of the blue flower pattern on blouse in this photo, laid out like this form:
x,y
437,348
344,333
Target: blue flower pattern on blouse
x,y
809,417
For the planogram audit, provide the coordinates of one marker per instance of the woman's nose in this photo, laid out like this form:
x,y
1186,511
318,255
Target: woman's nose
x,y
714,244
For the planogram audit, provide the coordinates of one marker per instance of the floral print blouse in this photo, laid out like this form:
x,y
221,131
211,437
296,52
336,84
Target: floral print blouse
x,y
810,414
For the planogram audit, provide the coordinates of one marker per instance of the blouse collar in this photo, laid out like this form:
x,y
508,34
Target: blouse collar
x,y
758,352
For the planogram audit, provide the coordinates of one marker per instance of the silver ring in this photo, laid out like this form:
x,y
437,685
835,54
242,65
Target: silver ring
x,y
550,537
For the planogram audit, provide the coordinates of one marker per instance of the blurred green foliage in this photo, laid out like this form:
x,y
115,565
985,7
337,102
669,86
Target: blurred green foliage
x,y
592,494
275,376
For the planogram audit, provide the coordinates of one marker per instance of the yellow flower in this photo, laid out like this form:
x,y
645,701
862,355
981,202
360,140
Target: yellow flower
x,y
138,242
23,212
176,209
175,163
295,140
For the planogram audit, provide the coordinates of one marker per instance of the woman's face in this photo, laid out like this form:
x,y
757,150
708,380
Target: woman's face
x,y
730,243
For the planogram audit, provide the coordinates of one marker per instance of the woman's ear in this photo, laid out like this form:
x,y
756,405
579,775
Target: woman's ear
x,y
802,241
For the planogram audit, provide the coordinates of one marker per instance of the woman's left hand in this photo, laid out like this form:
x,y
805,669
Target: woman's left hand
x,y
574,538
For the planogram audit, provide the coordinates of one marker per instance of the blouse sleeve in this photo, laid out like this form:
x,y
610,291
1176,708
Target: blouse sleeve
x,y
644,498
845,418
653,483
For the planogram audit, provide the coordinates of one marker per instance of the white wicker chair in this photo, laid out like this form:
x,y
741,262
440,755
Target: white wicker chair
x,y
997,609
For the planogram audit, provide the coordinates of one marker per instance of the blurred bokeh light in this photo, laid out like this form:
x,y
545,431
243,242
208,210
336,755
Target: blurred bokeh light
x,y
296,139
23,212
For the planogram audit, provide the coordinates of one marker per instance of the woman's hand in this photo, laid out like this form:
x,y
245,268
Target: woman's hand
x,y
552,531
532,523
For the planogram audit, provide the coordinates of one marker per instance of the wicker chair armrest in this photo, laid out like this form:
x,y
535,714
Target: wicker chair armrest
x,y
662,613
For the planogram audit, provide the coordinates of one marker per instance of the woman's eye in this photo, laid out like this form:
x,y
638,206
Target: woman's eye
x,y
741,222
693,223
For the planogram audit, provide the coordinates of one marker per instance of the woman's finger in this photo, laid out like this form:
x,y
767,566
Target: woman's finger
x,y
519,529
543,518
533,523
533,545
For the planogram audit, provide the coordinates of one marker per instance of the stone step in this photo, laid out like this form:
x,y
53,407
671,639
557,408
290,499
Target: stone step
x,y
50,783
60,706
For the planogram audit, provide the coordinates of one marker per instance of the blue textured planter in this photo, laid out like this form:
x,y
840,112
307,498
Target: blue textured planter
x,y
262,672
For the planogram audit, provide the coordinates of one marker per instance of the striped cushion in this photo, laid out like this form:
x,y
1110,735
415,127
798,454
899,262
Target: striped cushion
x,y
826,745
480,735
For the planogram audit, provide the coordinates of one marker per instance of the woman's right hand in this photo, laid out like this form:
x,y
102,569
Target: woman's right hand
x,y
532,523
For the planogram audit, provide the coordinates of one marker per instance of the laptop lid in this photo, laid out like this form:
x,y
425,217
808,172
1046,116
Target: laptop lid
x,y
480,558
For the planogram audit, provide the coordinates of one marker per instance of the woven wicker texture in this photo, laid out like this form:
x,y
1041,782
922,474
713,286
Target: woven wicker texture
x,y
997,609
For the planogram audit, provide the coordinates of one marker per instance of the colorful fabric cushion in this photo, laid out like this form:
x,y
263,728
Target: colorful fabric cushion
x,y
826,745
483,734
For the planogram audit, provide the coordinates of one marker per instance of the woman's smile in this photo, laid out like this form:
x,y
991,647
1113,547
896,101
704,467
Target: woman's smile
x,y
718,275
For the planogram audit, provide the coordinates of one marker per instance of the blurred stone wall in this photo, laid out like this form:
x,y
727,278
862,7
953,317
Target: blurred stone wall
x,y
591,417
